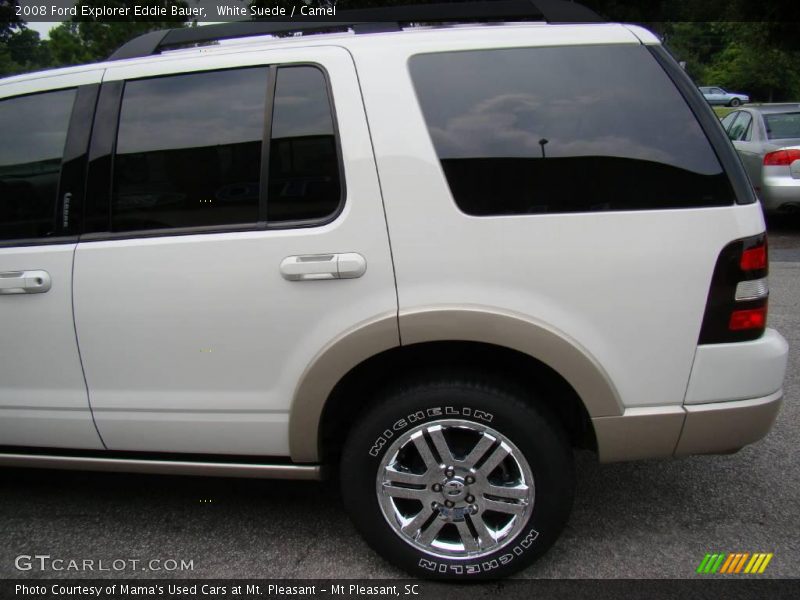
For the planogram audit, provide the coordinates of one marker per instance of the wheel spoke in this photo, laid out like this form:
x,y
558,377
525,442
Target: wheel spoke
x,y
404,492
395,476
441,445
479,450
519,492
485,537
412,527
441,489
424,451
427,536
470,544
511,508
495,458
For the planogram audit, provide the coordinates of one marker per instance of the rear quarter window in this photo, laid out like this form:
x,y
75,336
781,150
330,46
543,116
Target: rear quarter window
x,y
783,126
554,130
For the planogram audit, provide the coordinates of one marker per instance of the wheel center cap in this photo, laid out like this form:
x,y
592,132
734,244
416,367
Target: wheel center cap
x,y
454,489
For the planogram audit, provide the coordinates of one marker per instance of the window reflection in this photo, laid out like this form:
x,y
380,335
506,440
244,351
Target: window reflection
x,y
564,129
304,165
34,133
189,150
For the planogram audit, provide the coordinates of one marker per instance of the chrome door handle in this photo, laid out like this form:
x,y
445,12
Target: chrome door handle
x,y
24,282
311,267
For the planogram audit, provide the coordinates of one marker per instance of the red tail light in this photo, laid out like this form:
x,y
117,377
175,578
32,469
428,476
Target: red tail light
x,y
736,309
781,158
754,259
752,318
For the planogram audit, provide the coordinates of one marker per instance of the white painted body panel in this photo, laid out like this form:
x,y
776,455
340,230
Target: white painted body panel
x,y
196,343
630,286
738,371
50,80
43,400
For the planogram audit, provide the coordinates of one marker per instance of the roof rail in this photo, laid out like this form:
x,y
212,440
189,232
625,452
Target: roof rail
x,y
366,20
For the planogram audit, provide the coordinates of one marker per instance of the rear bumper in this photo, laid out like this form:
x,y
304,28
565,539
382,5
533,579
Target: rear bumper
x,y
723,427
734,394
663,431
780,193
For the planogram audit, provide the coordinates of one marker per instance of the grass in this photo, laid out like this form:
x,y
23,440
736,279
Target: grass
x,y
722,110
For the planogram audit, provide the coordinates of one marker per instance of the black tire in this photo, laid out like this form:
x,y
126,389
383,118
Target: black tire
x,y
735,102
481,402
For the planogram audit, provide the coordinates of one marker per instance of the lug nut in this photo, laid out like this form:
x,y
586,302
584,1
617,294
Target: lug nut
x,y
470,499
473,509
437,487
449,503
470,479
449,472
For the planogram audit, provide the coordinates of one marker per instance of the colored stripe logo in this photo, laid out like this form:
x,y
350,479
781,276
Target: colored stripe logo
x,y
734,562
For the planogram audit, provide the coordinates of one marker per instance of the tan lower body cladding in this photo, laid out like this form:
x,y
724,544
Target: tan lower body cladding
x,y
662,431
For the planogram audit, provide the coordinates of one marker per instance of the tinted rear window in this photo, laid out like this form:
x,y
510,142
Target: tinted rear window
x,y
540,130
783,126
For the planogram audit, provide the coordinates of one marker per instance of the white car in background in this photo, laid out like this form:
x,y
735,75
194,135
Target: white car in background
x,y
718,96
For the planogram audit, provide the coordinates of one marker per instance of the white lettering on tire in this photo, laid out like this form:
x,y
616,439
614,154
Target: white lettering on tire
x,y
487,565
402,423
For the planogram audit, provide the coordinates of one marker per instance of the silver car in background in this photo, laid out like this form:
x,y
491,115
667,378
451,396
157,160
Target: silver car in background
x,y
767,138
718,96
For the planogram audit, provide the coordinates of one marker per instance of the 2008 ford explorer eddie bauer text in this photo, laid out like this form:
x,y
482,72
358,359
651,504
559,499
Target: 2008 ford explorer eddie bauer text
x,y
431,261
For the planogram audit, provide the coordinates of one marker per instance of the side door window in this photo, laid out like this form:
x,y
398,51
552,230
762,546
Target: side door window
x,y
740,129
728,121
34,135
748,132
304,168
736,128
189,151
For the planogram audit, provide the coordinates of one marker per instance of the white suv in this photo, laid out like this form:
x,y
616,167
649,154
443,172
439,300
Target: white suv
x,y
433,260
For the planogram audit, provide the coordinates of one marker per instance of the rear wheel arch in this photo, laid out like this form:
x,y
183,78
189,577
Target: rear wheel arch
x,y
342,379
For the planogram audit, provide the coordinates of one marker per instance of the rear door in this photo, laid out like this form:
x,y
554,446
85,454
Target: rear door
x,y
45,127
238,229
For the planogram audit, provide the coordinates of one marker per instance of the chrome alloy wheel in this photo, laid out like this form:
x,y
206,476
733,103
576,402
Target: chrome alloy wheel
x,y
455,489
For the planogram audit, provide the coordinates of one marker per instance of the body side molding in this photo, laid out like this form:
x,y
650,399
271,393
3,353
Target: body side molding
x,y
162,467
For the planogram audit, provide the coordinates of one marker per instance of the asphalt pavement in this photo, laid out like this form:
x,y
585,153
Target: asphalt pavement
x,y
652,519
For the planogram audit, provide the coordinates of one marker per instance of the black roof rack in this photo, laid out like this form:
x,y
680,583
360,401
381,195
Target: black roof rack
x,y
367,20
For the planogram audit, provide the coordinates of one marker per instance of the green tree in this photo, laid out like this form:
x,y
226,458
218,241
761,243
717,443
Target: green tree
x,y
751,61
9,25
9,21
85,39
26,50
757,58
